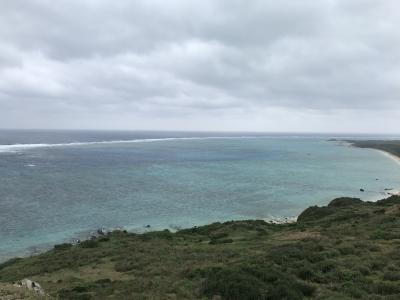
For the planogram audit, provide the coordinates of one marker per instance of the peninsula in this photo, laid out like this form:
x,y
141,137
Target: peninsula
x,y
390,146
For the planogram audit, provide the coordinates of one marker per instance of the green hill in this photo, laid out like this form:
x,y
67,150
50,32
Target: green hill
x,y
348,249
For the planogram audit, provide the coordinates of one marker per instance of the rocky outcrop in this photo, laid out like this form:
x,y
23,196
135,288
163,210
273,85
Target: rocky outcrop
x,y
31,285
315,213
345,201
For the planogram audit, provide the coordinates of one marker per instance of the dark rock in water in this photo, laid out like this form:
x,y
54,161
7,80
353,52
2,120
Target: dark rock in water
x,y
147,226
377,179
362,190
388,189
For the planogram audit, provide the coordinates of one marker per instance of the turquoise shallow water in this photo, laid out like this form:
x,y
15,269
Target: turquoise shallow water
x,y
49,193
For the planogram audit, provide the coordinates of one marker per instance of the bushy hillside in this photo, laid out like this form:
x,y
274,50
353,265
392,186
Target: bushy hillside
x,y
348,249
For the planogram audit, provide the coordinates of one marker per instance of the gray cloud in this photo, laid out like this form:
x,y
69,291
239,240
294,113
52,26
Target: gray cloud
x,y
200,64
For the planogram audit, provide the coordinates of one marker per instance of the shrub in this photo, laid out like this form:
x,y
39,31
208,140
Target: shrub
x,y
124,266
386,288
282,253
103,282
10,262
374,248
164,234
345,201
395,254
327,266
223,241
354,291
346,250
315,213
315,257
89,244
389,201
253,282
219,235
331,253
364,270
104,239
73,294
128,265
63,246
378,265
305,273
391,276
232,284
203,230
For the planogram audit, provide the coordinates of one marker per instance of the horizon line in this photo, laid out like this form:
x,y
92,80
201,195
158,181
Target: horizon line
x,y
200,131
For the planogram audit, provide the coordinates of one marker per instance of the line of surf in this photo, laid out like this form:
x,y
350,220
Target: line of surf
x,y
21,147
389,155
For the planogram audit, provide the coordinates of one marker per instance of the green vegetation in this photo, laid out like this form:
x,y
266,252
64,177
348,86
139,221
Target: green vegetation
x,y
10,292
347,250
392,147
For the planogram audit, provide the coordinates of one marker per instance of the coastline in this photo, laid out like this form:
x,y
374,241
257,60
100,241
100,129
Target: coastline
x,y
345,237
370,195
365,145
386,153
391,147
93,234
90,234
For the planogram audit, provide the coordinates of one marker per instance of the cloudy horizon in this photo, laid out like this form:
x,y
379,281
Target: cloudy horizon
x,y
214,65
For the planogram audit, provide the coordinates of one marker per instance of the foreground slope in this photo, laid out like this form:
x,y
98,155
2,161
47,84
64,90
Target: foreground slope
x,y
348,249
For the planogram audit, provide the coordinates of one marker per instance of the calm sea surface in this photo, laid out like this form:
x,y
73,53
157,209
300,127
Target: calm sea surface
x,y
59,185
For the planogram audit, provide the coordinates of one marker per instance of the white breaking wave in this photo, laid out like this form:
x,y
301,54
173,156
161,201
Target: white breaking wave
x,y
21,147
389,155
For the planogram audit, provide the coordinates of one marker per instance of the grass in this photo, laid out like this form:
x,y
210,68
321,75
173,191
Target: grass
x,y
347,250
10,292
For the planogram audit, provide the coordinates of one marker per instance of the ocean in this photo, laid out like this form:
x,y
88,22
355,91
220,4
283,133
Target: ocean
x,y
56,186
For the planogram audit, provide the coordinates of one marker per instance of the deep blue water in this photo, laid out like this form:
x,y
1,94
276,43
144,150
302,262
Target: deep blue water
x,y
56,191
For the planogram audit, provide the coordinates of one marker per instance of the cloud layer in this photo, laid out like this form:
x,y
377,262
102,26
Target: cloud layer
x,y
331,65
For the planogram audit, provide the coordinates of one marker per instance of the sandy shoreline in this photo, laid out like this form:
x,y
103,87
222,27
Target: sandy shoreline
x,y
384,152
395,158
388,154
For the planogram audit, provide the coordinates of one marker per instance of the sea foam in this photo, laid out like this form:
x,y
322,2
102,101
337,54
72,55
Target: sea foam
x,y
21,147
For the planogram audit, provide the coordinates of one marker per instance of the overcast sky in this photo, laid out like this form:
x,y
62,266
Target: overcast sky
x,y
303,65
